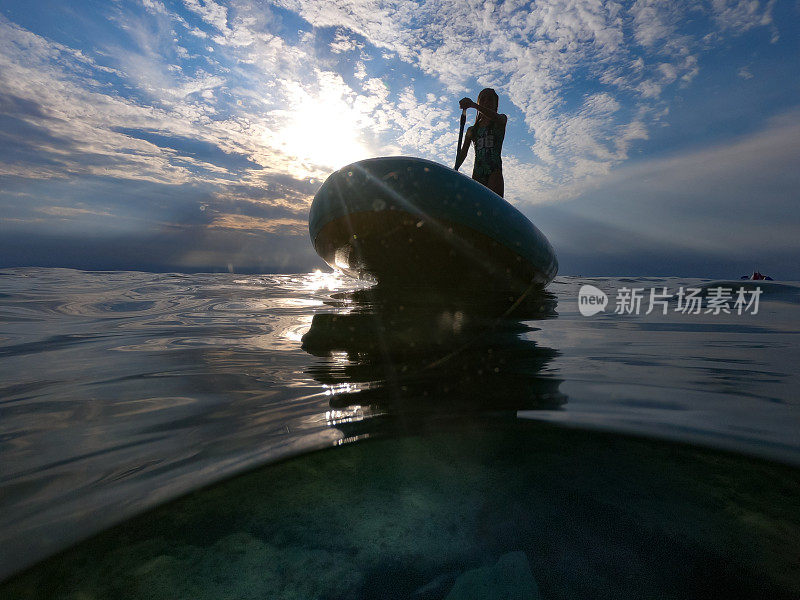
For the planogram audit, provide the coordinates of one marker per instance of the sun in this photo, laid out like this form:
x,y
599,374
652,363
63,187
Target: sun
x,y
319,134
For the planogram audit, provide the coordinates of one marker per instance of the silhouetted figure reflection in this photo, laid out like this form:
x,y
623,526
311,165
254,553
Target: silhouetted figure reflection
x,y
424,354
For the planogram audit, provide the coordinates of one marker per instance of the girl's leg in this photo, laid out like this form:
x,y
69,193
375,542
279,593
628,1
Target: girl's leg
x,y
496,183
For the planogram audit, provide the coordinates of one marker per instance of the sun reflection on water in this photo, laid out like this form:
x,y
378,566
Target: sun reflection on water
x,y
319,280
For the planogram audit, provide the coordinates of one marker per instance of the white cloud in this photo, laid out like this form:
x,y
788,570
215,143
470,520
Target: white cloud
x,y
211,12
529,52
257,90
342,43
654,21
742,15
360,71
425,126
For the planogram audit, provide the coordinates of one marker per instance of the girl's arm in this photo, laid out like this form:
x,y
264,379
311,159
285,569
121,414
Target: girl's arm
x,y
462,152
467,103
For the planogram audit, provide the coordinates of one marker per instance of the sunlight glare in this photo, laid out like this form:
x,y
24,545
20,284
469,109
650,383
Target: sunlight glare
x,y
319,280
319,134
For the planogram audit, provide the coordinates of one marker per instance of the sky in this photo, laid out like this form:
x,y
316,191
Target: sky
x,y
652,137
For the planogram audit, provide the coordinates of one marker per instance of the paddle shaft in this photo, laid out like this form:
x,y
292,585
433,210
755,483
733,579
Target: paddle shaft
x,y
461,135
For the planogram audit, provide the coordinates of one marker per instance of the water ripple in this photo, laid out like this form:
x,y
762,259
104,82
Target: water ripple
x,y
120,390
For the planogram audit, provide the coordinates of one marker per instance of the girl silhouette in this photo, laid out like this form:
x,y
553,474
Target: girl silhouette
x,y
487,134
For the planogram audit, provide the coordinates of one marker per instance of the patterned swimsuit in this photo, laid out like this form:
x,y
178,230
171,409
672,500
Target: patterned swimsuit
x,y
488,141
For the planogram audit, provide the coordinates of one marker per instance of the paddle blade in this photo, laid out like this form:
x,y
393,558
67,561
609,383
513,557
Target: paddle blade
x,y
460,135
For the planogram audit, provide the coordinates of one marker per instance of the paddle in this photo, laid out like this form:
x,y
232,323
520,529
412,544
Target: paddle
x,y
460,135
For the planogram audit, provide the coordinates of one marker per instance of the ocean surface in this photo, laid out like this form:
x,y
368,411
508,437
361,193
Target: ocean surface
x,y
409,444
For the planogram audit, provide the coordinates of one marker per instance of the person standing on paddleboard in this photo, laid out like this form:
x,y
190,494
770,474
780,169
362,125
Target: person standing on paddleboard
x,y
487,134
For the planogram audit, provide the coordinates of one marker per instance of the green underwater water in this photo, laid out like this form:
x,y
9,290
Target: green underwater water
x,y
467,509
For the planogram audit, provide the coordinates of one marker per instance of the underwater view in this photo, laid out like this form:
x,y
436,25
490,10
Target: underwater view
x,y
308,436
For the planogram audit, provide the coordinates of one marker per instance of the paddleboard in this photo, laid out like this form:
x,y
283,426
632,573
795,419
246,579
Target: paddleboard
x,y
409,221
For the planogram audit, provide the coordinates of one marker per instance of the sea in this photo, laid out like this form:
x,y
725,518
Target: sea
x,y
219,435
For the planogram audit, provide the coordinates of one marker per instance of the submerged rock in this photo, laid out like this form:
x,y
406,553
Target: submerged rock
x,y
509,579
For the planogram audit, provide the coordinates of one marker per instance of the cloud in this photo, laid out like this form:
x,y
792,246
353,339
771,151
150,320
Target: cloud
x,y
71,211
425,125
742,15
211,12
343,43
255,224
61,122
247,105
732,204
535,53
